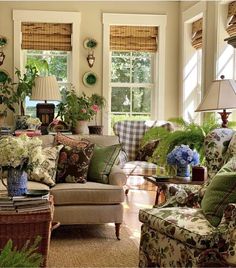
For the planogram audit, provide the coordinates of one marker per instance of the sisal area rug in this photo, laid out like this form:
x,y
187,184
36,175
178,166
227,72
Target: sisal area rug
x,y
92,246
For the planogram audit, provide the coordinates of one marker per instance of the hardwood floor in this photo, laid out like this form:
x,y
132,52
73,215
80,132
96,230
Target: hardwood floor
x,y
134,201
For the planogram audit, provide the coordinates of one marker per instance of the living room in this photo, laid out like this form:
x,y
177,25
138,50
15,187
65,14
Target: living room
x,y
145,60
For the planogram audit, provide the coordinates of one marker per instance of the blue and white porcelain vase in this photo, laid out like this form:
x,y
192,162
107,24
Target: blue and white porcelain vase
x,y
183,171
16,182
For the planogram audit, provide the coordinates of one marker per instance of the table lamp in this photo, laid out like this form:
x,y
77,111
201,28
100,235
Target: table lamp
x,y
46,88
221,95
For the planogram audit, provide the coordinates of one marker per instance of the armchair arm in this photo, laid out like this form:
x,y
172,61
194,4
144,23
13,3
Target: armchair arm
x,y
229,218
117,176
182,195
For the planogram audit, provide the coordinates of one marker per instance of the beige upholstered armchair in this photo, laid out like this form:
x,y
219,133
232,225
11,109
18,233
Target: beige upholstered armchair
x,y
196,228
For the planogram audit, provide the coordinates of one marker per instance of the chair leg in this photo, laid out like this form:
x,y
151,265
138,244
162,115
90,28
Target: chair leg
x,y
117,226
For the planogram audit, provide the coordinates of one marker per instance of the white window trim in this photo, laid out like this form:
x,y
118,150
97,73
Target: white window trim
x,y
159,66
74,18
190,15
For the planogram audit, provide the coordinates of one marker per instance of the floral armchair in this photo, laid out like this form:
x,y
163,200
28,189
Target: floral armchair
x,y
180,233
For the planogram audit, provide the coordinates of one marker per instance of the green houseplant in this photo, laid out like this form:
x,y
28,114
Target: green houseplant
x,y
12,93
99,102
191,134
74,109
26,257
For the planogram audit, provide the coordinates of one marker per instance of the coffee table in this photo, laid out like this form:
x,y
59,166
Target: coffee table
x,y
161,183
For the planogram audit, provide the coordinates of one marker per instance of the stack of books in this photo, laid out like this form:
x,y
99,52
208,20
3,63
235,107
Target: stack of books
x,y
5,131
24,203
29,133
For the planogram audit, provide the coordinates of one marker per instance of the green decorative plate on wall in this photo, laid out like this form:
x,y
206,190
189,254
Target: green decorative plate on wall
x,y
3,41
90,43
3,76
89,79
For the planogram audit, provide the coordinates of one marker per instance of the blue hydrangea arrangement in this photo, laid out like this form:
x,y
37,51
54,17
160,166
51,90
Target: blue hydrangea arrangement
x,y
183,155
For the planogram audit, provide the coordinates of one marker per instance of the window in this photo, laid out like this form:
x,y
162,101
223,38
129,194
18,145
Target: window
x,y
68,70
133,77
131,85
58,63
193,21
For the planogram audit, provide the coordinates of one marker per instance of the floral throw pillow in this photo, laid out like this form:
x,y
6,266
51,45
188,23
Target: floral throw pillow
x,y
147,150
74,161
46,171
67,141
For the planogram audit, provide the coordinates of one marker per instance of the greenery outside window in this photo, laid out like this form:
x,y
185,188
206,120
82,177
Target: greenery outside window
x,y
132,84
58,63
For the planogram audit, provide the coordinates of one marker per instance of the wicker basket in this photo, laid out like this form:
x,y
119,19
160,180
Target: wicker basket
x,y
21,227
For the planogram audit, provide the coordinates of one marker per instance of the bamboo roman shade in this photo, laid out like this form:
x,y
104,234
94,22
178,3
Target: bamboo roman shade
x,y
231,25
133,38
46,36
197,34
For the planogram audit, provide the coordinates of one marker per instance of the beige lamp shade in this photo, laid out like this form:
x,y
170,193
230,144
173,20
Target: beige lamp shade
x,y
46,88
221,95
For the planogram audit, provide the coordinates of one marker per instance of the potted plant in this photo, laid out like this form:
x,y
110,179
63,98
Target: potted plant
x,y
76,110
191,134
98,102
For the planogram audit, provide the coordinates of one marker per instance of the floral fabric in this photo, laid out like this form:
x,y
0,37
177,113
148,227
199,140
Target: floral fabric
x,y
215,145
160,250
73,163
180,236
46,171
146,151
184,224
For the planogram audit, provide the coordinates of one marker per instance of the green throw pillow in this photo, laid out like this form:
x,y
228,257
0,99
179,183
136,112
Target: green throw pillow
x,y
102,162
220,192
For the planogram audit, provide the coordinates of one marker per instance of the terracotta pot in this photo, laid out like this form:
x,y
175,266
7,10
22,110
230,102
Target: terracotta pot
x,y
81,127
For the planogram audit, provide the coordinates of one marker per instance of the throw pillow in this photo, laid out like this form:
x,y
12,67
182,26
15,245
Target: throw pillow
x,y
147,150
102,162
220,192
65,140
73,163
46,171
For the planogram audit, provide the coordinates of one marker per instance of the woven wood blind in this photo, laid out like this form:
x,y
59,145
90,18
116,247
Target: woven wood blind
x,y
46,36
231,25
133,38
197,34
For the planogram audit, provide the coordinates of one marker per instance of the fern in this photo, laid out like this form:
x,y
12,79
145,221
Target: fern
x,y
26,257
187,133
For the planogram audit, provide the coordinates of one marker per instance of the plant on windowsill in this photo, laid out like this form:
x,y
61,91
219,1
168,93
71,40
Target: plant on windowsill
x,y
14,93
76,110
99,102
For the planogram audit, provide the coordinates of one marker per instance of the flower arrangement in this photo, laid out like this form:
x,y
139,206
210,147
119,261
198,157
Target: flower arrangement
x,y
33,121
183,155
20,152
75,108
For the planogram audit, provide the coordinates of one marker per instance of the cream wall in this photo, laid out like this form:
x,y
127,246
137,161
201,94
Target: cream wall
x,y
91,26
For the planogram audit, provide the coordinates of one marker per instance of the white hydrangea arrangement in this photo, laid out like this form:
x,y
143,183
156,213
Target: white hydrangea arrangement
x,y
35,121
20,152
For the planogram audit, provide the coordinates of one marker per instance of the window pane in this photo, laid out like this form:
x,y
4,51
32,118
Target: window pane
x,y
141,100
120,71
120,53
58,67
142,70
120,99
